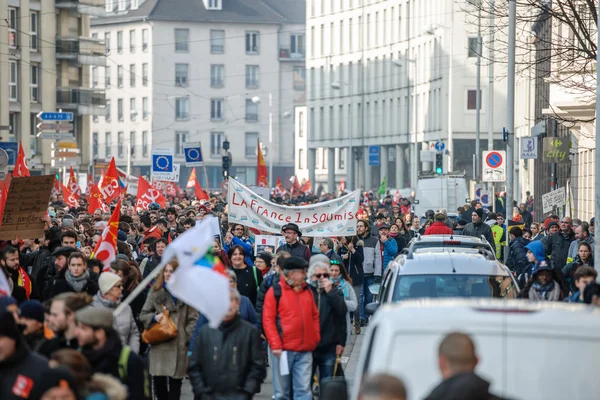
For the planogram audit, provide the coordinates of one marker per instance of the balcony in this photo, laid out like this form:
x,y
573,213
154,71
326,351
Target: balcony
x,y
286,54
84,101
88,7
85,51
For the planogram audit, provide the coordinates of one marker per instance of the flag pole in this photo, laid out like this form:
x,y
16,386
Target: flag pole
x,y
140,288
205,174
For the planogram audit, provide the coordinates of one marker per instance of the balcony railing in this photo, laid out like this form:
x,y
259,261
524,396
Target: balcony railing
x,y
285,53
80,97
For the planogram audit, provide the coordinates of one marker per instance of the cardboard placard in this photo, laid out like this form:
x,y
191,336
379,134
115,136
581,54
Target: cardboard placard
x,y
266,243
25,207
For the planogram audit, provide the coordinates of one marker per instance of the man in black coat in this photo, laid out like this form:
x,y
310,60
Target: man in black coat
x,y
292,245
227,362
557,245
478,228
517,256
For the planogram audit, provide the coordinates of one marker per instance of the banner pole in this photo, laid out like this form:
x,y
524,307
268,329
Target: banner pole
x,y
204,167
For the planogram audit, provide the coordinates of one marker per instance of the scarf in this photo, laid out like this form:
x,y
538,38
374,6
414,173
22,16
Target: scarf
x,y
77,283
549,292
25,282
341,283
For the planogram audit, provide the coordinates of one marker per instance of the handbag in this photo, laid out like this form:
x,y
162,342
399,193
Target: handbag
x,y
162,331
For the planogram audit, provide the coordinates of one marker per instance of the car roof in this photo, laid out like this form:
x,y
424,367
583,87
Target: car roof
x,y
451,263
441,238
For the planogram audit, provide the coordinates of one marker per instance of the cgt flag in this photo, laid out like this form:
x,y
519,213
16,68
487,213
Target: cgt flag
x,y
20,165
192,181
73,184
147,195
69,197
106,249
95,201
110,186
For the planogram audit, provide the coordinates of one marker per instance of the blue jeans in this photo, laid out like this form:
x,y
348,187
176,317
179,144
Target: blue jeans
x,y
325,362
366,297
299,379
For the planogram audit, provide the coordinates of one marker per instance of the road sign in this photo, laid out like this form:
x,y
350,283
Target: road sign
x,y
67,145
193,154
439,146
55,127
66,154
55,136
162,164
12,149
494,169
529,148
486,199
374,156
55,116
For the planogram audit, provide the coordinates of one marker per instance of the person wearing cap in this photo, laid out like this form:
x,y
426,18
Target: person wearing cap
x,y
379,220
439,226
263,262
56,383
291,323
109,297
292,245
388,246
477,228
557,246
101,345
31,318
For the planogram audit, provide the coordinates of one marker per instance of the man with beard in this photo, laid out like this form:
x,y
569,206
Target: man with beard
x,y
24,287
478,228
32,320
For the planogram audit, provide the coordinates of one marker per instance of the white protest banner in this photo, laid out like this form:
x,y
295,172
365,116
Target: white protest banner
x,y
330,218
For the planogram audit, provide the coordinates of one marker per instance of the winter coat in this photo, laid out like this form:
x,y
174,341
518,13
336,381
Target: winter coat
x,y
34,262
390,250
124,323
351,304
517,256
439,228
557,248
372,261
478,230
400,241
464,386
227,361
526,217
260,299
249,279
569,270
245,244
293,322
105,387
62,286
354,263
332,255
574,246
296,250
169,358
23,366
332,318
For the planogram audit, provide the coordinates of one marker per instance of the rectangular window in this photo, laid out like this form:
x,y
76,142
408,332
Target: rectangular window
x,y
108,145
182,108
107,112
120,109
145,108
216,109
120,140
35,83
95,144
132,143
217,75
94,77
107,42
13,27
144,143
13,80
342,158
182,38
180,139
120,76
144,39
145,74
216,141
301,124
132,109
14,120
251,111
472,99
119,42
132,41
181,74
132,75
217,41
297,45
300,158
474,49
251,144
252,39
107,76
252,73
214,5
299,78
34,31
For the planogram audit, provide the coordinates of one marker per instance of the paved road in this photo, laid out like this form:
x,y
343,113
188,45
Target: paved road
x,y
349,361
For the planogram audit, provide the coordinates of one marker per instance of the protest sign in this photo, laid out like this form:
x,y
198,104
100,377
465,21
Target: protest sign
x,y
25,207
265,244
331,218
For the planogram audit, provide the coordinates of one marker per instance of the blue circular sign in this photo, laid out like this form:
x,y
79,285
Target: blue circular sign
x,y
493,159
440,146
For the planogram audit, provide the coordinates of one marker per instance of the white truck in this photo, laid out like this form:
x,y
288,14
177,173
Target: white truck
x,y
435,191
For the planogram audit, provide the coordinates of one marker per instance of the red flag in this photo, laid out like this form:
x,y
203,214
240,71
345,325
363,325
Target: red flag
x,y
90,183
20,165
191,182
73,184
3,197
296,185
147,195
261,176
306,187
69,197
110,187
106,249
278,190
95,201
342,185
171,189
200,194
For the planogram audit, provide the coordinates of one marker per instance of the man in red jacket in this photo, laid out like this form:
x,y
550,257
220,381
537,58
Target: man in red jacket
x,y
439,227
291,324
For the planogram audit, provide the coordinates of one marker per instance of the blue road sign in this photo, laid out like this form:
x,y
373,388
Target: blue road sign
x,y
162,163
493,159
55,116
193,154
374,156
12,149
440,146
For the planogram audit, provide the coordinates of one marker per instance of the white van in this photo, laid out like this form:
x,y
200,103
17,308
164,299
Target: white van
x,y
526,350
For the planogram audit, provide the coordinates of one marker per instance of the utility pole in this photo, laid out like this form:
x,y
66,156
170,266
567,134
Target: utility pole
x,y
490,114
510,111
478,101
597,160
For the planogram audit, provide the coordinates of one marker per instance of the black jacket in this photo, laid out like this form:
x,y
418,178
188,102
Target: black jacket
x,y
354,263
34,262
332,317
227,361
248,282
21,295
260,298
62,286
466,386
296,250
517,257
56,343
527,218
557,248
478,230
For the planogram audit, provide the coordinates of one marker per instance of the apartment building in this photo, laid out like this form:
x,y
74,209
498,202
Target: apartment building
x,y
201,71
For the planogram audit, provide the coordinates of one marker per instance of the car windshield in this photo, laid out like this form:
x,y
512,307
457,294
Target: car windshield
x,y
453,285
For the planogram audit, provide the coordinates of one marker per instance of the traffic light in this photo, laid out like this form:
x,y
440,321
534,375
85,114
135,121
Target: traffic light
x,y
439,163
226,159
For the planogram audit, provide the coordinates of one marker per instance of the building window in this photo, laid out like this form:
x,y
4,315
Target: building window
x,y
132,109
108,145
252,73
251,111
341,158
299,78
300,158
182,38
107,42
217,75
132,41
120,109
217,41
145,74
144,39
251,144
214,5
107,77
182,108
474,48
34,31
132,75
95,144
13,27
120,140
13,81
216,141
94,77
33,121
122,5
145,108
252,42
180,139
297,44
472,99
13,123
216,109
120,76
181,74
145,144
120,42
301,124
135,4
132,143
107,115
35,83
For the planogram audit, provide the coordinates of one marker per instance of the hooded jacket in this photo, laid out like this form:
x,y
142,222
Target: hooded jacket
x,y
465,386
372,262
517,257
124,323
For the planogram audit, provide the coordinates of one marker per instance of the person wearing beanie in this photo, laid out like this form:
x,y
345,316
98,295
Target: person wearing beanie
x,y
263,262
56,383
21,370
102,347
108,297
32,319
477,228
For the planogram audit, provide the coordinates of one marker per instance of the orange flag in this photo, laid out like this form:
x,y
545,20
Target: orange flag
x,y
69,196
296,185
261,176
20,165
200,193
95,201
101,178
342,185
73,184
306,187
192,181
110,187
147,195
106,249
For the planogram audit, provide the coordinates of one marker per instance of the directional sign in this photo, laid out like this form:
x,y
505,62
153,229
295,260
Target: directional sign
x,y
55,116
162,164
374,156
67,145
66,154
529,149
55,127
440,146
55,136
494,169
193,154
12,149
